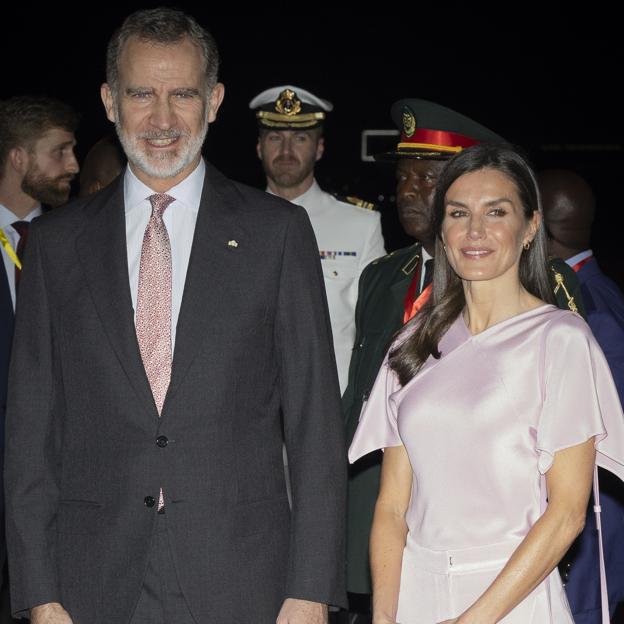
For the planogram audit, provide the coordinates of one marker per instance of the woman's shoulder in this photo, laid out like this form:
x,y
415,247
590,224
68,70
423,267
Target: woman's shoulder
x,y
557,320
565,331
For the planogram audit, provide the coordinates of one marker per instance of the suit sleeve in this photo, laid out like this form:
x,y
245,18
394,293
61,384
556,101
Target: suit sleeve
x,y
350,401
32,443
313,428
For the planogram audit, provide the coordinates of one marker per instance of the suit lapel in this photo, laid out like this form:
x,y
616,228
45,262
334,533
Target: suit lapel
x,y
213,264
104,256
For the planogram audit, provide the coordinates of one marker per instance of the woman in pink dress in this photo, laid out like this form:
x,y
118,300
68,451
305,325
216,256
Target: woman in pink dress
x,y
493,407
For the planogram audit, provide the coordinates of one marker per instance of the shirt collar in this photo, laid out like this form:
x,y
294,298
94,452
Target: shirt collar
x,y
425,255
315,189
187,193
579,257
7,216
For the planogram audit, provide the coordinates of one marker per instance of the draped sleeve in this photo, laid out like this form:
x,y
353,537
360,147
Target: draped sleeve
x,y
377,428
580,398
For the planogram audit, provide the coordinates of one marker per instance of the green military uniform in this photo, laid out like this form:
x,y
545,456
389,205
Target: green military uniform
x,y
378,316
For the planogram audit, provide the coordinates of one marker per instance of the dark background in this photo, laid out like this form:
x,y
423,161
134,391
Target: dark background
x,y
550,84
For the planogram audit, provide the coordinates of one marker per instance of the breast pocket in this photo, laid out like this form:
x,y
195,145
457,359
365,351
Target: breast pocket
x,y
341,279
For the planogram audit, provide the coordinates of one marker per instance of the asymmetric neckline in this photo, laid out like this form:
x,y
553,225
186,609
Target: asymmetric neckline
x,y
527,313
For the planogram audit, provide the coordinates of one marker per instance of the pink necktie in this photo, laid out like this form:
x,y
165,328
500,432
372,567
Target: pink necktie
x,y
153,315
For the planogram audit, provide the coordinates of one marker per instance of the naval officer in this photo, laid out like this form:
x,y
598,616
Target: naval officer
x,y
349,237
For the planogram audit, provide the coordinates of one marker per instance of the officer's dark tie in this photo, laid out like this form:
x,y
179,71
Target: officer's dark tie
x,y
21,227
428,273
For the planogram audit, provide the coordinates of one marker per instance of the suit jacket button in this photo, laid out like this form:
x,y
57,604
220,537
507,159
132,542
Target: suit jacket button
x,y
149,501
162,441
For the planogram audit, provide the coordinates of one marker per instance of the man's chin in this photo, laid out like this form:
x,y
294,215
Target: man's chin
x,y
287,179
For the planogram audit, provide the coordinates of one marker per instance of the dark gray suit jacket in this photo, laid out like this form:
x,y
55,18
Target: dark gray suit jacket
x,y
253,343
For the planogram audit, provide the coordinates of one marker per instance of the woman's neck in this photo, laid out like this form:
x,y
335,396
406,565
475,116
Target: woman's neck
x,y
492,301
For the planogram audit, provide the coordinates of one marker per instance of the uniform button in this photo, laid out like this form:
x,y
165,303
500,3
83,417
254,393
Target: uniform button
x,y
162,441
149,501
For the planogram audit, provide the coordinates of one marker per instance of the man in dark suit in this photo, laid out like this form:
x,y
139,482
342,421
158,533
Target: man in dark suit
x,y
569,208
37,164
182,319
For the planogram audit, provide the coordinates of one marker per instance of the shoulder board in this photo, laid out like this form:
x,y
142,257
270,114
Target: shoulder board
x,y
356,201
411,253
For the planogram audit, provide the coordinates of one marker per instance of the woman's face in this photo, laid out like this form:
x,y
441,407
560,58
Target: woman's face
x,y
484,227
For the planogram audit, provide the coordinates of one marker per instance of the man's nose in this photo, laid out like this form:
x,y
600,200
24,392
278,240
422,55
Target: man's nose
x,y
162,115
408,187
72,165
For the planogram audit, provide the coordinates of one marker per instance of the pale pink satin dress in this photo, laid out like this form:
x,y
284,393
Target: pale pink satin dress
x,y
481,426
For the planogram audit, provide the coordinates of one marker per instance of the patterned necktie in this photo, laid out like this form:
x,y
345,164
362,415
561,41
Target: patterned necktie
x,y
153,314
21,227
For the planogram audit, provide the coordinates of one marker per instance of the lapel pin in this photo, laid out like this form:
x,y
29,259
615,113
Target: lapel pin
x,y
232,243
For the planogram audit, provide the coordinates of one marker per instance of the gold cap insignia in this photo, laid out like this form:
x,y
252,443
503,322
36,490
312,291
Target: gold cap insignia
x,y
288,103
232,243
409,122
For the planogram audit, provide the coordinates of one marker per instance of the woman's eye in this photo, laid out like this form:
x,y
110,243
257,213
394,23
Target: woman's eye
x,y
498,212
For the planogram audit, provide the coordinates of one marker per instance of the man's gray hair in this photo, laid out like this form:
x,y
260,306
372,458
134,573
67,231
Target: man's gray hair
x,y
162,26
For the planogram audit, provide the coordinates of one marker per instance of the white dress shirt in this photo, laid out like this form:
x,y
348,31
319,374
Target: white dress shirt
x,y
179,218
6,218
579,257
425,257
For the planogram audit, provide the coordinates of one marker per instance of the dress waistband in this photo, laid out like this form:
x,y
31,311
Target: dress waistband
x,y
460,560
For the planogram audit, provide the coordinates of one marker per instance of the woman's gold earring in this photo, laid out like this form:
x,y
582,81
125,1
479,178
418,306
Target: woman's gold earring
x,y
527,245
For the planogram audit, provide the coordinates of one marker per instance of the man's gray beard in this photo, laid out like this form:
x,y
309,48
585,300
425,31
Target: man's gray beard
x,y
44,189
172,165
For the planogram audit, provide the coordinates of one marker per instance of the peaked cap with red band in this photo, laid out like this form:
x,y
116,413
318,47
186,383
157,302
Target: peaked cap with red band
x,y
433,132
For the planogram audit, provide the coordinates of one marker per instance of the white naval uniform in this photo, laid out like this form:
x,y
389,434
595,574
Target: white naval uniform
x,y
348,238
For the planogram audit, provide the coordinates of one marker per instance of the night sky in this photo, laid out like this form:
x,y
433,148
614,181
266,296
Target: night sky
x,y
548,85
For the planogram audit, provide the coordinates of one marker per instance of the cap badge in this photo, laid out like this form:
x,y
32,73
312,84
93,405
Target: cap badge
x,y
409,122
288,103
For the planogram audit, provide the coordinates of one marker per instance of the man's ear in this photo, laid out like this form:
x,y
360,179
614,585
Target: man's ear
x,y
320,148
107,99
19,159
216,97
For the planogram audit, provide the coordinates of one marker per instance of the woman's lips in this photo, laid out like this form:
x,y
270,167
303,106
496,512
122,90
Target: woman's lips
x,y
476,253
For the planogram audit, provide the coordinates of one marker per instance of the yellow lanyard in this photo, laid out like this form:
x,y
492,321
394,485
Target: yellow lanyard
x,y
10,251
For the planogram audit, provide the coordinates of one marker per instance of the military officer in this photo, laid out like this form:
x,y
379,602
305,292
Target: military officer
x,y
349,237
393,288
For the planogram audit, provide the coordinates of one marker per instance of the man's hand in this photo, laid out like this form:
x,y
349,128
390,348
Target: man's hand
x,y
50,613
295,611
